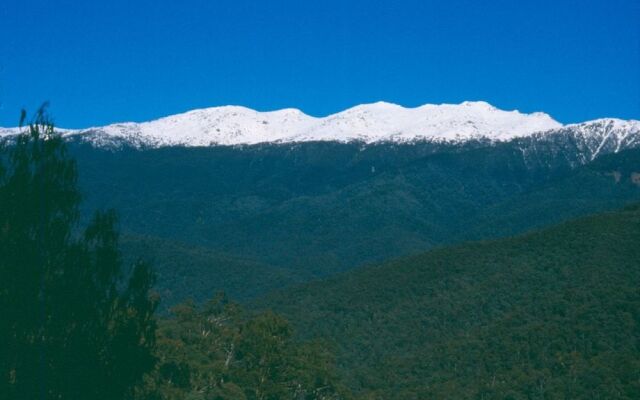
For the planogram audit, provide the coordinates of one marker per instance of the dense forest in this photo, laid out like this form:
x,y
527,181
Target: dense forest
x,y
280,214
553,313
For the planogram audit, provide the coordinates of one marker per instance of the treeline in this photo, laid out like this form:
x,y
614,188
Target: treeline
x,y
76,323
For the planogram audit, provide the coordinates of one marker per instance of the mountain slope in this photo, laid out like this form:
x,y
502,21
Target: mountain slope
x,y
313,208
326,207
551,314
191,272
598,186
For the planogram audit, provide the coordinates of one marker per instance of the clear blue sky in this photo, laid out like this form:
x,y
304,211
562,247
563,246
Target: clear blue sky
x,y
106,61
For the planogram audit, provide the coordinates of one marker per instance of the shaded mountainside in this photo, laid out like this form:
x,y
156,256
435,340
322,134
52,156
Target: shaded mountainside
x,y
191,272
314,209
550,314
604,184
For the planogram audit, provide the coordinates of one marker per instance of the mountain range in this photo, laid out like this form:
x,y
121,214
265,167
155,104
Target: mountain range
x,y
368,123
443,251
246,202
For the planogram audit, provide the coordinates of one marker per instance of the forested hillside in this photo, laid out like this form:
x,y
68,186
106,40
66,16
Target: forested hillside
x,y
80,321
193,272
550,314
314,209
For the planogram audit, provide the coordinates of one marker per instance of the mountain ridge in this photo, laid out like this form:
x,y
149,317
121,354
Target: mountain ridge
x,y
367,123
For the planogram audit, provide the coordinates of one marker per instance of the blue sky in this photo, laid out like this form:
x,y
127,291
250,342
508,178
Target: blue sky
x,y
99,62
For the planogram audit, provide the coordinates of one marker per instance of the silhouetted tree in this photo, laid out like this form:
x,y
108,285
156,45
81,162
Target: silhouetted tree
x,y
73,323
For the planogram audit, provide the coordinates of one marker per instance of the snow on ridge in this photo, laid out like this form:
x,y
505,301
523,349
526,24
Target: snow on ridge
x,y
381,121
375,122
613,123
610,134
9,131
384,121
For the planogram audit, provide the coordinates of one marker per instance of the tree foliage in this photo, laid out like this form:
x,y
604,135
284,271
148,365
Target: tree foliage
x,y
75,324
219,351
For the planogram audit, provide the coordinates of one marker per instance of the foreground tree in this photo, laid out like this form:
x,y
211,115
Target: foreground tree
x,y
73,324
221,352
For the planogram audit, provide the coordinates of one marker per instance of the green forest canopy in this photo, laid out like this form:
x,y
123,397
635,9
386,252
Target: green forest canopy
x,y
550,314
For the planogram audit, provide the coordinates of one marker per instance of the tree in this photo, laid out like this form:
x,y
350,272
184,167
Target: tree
x,y
74,323
221,352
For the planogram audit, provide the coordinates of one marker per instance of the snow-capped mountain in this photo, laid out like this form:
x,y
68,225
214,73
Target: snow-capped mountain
x,y
389,122
607,135
369,123
232,125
